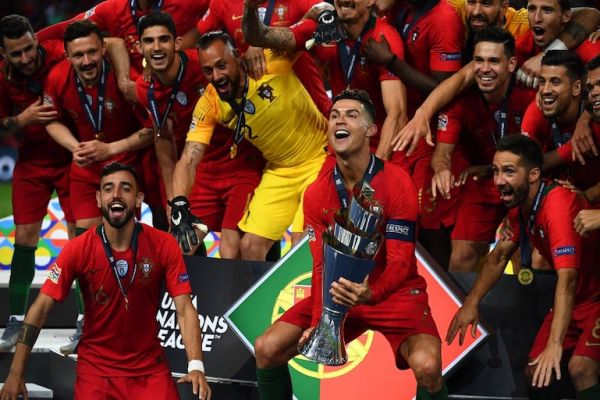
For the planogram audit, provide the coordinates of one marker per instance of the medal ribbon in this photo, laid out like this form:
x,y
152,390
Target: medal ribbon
x,y
159,120
557,136
375,165
348,56
133,10
501,116
111,259
524,242
238,109
94,119
35,86
269,13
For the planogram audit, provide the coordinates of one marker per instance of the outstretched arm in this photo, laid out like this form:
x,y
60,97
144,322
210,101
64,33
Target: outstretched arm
x,y
257,34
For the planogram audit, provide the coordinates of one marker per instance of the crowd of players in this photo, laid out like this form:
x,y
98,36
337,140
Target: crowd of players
x,y
229,130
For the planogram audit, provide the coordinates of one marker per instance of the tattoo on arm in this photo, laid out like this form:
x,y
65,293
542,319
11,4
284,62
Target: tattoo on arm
x,y
194,150
28,334
257,34
576,32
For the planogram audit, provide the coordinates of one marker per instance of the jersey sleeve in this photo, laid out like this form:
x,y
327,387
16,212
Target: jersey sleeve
x,y
176,276
302,31
512,218
565,242
400,234
210,21
448,38
52,88
205,117
534,123
63,272
450,123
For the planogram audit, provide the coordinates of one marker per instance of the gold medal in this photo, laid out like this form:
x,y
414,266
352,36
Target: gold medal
x,y
233,151
101,136
525,276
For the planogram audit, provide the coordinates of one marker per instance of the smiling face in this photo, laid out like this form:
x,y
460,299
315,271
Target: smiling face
x,y
22,53
85,54
483,13
158,46
492,67
593,88
556,91
349,11
221,67
350,127
118,198
512,178
546,20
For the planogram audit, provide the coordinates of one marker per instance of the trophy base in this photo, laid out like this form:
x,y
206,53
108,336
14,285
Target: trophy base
x,y
325,344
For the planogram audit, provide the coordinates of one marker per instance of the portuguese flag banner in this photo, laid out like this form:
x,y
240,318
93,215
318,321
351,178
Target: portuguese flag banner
x,y
370,371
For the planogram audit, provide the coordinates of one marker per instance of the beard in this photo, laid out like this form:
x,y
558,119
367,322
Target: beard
x,y
117,222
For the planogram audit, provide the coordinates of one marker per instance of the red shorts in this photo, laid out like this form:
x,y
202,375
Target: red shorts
x,y
151,177
84,184
33,186
221,202
583,333
398,317
479,214
159,385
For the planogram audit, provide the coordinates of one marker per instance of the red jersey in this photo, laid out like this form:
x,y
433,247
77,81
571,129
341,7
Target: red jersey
x,y
117,18
433,42
18,93
216,158
363,76
583,176
556,239
119,116
525,48
116,341
470,123
396,268
227,15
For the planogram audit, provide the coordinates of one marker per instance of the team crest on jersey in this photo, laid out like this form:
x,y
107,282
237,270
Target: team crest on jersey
x,y
181,98
54,273
281,11
442,122
265,92
363,61
249,107
145,267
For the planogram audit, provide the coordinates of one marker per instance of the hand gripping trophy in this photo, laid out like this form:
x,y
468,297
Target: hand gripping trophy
x,y
349,249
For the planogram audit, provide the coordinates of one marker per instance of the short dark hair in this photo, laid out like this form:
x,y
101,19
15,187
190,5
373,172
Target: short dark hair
x,y
359,95
14,26
156,18
567,59
565,5
209,38
80,29
499,35
526,148
113,167
593,64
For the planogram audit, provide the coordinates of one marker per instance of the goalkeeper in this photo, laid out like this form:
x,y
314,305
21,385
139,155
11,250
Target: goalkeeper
x,y
277,116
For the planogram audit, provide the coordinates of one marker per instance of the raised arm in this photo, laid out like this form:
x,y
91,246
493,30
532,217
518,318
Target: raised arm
x,y
257,34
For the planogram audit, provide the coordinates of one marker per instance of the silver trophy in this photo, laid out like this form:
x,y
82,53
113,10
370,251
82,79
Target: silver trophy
x,y
349,249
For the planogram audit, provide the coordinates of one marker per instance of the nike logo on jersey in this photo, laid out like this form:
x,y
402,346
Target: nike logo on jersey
x,y
236,17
